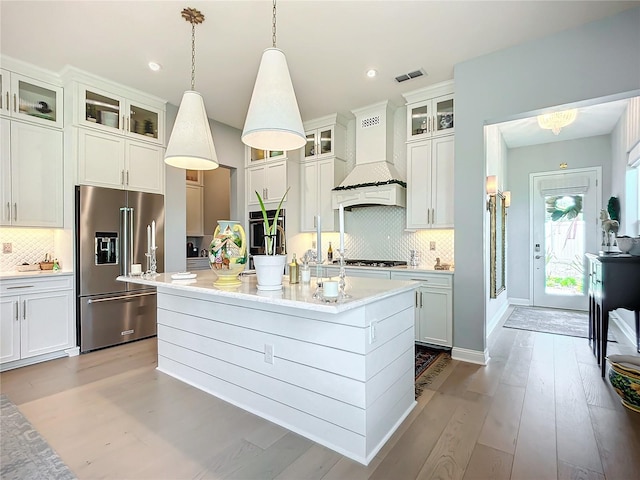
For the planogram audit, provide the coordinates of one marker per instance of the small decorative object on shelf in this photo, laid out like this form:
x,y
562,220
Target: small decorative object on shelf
x,y
294,272
330,253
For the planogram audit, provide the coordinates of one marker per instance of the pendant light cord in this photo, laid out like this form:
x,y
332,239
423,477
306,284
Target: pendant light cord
x,y
273,27
193,56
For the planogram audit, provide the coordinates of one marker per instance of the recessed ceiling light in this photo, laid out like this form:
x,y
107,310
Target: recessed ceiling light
x,y
371,73
154,66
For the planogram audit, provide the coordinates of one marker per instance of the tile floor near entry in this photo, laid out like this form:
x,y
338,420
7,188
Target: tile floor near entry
x,y
538,410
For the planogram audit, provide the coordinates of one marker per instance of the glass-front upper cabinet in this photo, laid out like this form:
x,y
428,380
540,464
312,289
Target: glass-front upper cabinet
x,y
255,155
30,99
430,118
319,142
113,113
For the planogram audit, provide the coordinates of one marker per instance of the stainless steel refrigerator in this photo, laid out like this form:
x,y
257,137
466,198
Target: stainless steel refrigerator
x,y
111,234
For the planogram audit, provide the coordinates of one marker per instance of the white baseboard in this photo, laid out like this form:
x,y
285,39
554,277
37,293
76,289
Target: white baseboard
x,y
627,330
525,302
497,317
73,352
470,356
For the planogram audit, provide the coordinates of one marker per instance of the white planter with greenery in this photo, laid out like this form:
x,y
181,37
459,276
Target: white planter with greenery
x,y
270,267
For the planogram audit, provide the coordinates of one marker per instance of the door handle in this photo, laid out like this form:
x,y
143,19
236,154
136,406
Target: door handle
x,y
24,309
433,215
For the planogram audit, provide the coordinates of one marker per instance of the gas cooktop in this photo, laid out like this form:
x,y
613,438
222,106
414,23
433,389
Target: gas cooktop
x,y
373,263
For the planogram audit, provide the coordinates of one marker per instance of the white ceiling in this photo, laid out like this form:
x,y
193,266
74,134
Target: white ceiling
x,y
328,44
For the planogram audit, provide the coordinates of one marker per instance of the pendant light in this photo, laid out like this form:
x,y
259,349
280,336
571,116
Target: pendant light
x,y
191,144
273,120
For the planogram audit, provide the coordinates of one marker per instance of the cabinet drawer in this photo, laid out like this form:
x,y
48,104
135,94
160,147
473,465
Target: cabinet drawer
x,y
429,280
33,285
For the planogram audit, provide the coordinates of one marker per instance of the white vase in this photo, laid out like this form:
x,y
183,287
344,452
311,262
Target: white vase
x,y
269,271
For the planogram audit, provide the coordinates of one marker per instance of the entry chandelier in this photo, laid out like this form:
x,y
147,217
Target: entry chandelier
x,y
273,120
191,144
557,120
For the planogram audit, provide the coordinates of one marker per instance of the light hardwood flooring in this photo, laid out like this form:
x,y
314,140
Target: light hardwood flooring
x,y
539,410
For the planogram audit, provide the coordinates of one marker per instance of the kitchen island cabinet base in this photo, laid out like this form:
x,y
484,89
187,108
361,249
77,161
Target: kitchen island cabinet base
x,y
345,380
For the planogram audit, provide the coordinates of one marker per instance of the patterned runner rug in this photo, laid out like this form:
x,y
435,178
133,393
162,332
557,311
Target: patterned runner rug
x,y
429,363
24,454
550,320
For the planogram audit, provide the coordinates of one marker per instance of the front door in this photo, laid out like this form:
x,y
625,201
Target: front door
x,y
565,227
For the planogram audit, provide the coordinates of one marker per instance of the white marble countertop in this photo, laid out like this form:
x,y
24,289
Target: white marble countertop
x,y
361,290
33,274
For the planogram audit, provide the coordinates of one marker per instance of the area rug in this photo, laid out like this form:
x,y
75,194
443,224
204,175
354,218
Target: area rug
x,y
550,320
24,454
429,363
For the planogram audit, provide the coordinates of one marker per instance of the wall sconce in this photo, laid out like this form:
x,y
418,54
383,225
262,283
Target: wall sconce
x,y
491,187
507,198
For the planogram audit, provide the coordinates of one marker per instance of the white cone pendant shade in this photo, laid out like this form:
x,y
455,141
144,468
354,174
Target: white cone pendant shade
x,y
191,144
273,121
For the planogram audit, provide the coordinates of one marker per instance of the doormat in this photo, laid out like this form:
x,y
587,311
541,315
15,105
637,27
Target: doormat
x,y
429,363
571,323
23,452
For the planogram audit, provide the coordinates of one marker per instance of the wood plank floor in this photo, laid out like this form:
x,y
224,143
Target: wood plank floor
x,y
539,410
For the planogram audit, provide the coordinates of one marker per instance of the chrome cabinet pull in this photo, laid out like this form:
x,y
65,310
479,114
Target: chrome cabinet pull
x,y
420,299
433,215
15,102
121,297
123,122
8,107
17,308
416,299
121,177
127,177
15,212
8,211
19,286
24,309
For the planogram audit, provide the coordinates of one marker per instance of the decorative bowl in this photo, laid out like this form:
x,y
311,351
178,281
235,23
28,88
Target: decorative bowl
x,y
624,244
624,375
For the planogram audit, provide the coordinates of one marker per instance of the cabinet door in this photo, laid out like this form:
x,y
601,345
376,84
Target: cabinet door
x,y
435,316
442,161
100,159
144,122
101,109
419,117
9,329
326,179
310,147
195,219
35,101
255,183
309,193
418,184
144,167
443,116
275,180
5,171
36,175
46,323
5,86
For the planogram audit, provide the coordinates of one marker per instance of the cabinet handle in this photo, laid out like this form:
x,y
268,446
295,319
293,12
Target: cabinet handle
x,y
435,123
420,299
127,124
121,177
315,221
123,122
416,299
8,211
428,215
19,286
8,107
433,215
24,309
127,177
17,308
15,212
15,102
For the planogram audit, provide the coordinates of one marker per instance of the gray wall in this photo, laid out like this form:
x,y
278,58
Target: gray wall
x,y
585,152
571,66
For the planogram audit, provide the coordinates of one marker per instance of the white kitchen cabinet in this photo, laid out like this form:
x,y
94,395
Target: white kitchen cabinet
x,y
254,156
195,214
326,137
116,113
31,188
269,180
112,161
317,179
430,183
31,100
434,307
430,112
37,319
198,263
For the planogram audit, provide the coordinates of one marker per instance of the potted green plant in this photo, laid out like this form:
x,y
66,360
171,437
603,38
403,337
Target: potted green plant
x,y
270,267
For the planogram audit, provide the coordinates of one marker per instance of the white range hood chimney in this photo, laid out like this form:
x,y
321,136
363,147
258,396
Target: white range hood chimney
x,y
374,180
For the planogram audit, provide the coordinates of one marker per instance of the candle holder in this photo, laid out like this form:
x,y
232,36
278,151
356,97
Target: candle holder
x,y
319,293
151,263
342,274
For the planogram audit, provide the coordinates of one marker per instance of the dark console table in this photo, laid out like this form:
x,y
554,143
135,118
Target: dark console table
x,y
614,282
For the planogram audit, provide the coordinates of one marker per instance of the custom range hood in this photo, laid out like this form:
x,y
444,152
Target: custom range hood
x,y
374,180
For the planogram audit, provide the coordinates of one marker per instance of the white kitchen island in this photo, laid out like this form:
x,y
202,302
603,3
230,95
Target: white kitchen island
x,y
341,374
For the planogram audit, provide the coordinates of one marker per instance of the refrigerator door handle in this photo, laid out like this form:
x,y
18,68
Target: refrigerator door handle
x,y
126,239
120,297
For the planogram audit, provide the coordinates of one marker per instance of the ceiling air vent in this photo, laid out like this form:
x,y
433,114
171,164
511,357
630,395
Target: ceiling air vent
x,y
408,76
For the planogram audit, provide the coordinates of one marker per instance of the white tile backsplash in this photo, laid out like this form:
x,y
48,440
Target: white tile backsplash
x,y
378,233
29,245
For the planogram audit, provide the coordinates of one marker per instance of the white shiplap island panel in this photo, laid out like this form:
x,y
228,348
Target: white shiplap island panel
x,y
341,374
